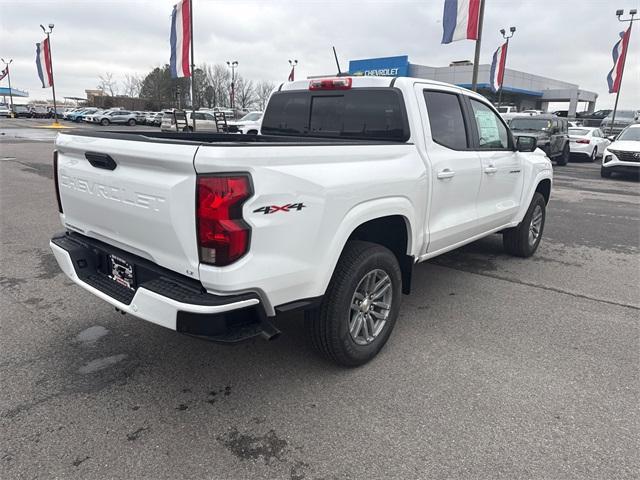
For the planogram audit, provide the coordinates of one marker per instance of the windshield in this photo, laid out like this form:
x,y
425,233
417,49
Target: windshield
x,y
578,131
251,117
503,109
630,134
530,124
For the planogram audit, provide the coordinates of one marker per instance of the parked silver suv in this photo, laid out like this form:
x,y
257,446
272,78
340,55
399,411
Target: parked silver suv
x,y
116,116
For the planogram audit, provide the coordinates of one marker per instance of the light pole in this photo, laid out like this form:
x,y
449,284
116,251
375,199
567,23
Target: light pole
x,y
53,83
619,14
292,75
512,30
233,65
6,64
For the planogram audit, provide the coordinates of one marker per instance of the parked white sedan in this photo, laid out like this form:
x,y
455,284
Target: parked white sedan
x,y
587,142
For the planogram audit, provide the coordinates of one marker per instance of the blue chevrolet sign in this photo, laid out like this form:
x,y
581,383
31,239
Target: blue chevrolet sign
x,y
381,67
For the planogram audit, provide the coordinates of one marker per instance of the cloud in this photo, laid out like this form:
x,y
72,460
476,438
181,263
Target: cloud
x,y
566,40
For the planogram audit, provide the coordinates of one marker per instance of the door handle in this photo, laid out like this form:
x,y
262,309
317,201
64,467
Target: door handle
x,y
490,170
446,173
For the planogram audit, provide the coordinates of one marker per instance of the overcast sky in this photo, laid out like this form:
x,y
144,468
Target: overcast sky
x,y
569,40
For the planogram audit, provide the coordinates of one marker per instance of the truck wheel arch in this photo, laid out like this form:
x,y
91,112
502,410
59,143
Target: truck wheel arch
x,y
544,187
394,233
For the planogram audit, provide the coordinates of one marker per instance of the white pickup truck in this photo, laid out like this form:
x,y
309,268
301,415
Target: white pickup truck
x,y
350,184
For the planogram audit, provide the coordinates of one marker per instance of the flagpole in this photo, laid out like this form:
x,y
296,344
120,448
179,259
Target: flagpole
x,y
476,59
506,52
9,78
615,106
53,83
193,68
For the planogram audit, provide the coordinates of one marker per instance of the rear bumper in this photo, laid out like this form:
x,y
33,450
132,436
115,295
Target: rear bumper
x,y
580,149
161,296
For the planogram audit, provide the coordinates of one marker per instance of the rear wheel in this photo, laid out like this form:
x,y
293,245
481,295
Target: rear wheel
x,y
563,159
360,306
523,240
131,122
605,173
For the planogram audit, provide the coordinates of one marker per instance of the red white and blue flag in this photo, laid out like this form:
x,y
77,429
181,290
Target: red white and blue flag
x,y
4,72
180,39
496,74
619,54
43,63
460,20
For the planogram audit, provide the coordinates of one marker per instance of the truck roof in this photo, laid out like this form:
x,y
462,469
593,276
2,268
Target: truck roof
x,y
372,81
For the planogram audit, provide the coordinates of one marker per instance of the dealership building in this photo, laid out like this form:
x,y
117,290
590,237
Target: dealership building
x,y
6,94
525,90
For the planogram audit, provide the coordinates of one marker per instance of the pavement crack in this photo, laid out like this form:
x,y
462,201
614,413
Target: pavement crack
x,y
545,287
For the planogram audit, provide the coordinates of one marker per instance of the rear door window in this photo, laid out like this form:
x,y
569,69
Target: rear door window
x,y
446,119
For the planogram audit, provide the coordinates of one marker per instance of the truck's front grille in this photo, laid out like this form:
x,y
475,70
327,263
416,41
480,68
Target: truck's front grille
x,y
626,156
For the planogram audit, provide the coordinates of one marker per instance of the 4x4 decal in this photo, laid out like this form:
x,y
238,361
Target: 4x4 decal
x,y
284,208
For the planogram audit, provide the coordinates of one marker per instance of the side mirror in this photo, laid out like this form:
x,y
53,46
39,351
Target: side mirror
x,y
526,144
612,138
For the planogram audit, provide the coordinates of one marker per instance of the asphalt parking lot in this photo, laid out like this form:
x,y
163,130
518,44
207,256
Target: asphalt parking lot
x,y
498,367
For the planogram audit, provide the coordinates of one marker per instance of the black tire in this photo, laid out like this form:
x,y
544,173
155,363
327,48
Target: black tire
x,y
105,122
605,173
328,325
594,155
516,240
563,159
131,122
187,129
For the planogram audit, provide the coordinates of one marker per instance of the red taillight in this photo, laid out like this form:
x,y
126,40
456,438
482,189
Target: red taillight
x,y
223,236
55,179
340,83
583,140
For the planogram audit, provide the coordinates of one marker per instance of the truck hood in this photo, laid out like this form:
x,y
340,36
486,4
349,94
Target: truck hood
x,y
625,146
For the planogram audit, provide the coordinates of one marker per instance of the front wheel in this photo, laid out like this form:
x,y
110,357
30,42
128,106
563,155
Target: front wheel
x,y
104,122
594,155
523,240
360,306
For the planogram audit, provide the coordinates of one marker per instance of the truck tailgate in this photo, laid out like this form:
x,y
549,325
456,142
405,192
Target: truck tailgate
x,y
145,205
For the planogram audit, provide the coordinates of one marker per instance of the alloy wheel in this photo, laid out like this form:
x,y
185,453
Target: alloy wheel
x,y
370,307
535,227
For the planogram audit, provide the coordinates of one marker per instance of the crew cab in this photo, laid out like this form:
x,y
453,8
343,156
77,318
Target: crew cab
x,y
351,183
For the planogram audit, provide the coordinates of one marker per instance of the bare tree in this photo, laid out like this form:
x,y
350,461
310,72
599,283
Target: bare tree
x,y
219,78
245,92
262,92
107,84
132,85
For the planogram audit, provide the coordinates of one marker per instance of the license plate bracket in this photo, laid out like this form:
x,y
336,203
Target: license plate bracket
x,y
122,272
